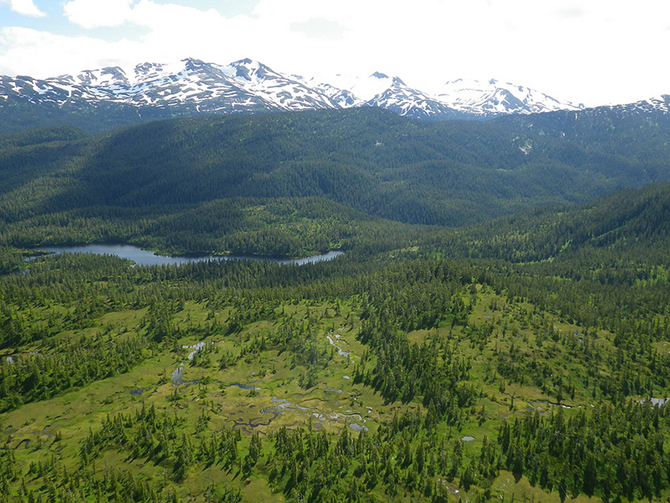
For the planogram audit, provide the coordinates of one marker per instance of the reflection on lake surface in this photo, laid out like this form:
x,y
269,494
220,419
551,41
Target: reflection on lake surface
x,y
143,257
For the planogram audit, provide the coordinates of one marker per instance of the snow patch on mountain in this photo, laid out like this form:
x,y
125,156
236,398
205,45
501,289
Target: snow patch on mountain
x,y
284,92
657,103
192,86
493,98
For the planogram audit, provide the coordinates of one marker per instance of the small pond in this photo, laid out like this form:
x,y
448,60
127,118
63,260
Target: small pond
x,y
144,257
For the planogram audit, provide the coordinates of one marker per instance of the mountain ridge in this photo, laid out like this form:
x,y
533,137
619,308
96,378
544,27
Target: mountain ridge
x,y
193,86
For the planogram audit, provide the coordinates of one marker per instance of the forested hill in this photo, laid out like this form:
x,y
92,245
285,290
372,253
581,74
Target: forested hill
x,y
633,223
637,130
368,159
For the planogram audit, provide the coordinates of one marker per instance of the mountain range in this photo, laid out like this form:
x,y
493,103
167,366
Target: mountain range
x,y
190,87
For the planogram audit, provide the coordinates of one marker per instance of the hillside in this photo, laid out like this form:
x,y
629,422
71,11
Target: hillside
x,y
604,263
633,130
367,160
625,222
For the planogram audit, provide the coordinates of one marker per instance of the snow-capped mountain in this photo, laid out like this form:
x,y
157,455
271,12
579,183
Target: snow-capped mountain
x,y
380,90
276,89
192,86
244,86
393,94
493,98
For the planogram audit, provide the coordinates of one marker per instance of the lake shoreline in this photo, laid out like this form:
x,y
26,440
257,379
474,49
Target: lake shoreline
x,y
148,258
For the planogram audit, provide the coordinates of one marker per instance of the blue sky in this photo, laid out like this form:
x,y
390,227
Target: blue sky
x,y
589,51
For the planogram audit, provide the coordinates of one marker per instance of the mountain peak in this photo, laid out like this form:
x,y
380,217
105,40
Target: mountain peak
x,y
191,63
245,62
248,70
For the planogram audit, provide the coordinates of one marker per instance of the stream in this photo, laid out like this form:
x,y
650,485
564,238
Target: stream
x,y
340,351
281,404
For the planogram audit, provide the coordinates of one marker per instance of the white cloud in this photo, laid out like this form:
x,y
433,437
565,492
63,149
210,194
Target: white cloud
x,y
98,13
40,54
320,28
24,7
171,32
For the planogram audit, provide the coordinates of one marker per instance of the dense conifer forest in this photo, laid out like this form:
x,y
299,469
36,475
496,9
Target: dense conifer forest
x,y
445,356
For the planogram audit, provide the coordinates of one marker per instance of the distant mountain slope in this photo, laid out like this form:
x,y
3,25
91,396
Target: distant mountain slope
x,y
618,128
102,99
371,160
628,224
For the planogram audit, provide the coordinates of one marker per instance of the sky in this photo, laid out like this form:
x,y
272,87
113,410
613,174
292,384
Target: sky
x,y
593,52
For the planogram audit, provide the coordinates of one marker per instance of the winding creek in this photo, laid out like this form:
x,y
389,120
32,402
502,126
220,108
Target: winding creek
x,y
281,405
340,351
324,417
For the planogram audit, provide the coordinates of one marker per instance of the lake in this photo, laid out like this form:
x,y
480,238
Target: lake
x,y
144,257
